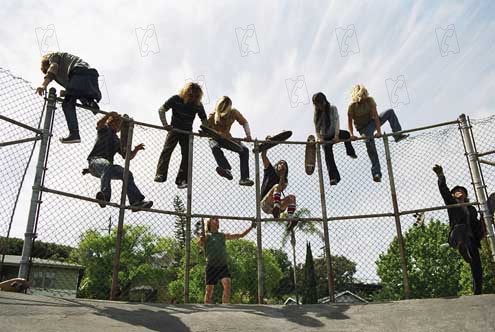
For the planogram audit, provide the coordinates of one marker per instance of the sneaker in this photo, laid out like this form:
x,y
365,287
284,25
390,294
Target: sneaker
x,y
353,156
101,197
160,178
399,138
182,185
333,182
276,211
377,178
141,205
246,182
72,138
224,173
90,104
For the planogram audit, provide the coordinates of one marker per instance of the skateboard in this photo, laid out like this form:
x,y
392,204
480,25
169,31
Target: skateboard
x,y
274,140
124,133
223,141
310,155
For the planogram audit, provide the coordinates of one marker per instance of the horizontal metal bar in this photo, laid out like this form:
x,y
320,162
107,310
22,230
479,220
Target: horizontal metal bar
x,y
20,141
20,124
486,153
83,198
491,163
436,208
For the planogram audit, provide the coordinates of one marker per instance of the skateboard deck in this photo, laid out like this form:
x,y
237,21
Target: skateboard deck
x,y
124,134
275,140
223,141
310,155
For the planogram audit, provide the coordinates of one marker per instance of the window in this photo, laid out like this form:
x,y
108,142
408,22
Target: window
x,y
43,279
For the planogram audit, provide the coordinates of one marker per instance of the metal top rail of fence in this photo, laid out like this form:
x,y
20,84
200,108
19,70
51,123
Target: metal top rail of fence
x,y
351,226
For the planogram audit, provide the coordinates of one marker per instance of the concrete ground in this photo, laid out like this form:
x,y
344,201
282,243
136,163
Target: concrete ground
x,y
20,312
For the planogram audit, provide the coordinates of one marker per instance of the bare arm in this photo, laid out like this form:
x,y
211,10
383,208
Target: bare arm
x,y
240,235
350,125
378,125
266,162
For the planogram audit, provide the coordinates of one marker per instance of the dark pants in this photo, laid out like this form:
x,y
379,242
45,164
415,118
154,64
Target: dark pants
x,y
333,172
170,143
471,255
224,163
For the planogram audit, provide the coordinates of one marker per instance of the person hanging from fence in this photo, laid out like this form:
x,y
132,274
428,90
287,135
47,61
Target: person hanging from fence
x,y
362,111
275,181
466,230
80,82
101,164
327,126
184,107
217,268
221,120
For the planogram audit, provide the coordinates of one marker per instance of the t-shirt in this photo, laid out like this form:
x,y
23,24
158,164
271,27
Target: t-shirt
x,y
270,178
107,145
66,62
361,112
216,252
223,126
183,114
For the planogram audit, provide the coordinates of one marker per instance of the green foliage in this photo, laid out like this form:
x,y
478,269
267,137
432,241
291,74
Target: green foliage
x,y
45,250
180,222
488,273
309,282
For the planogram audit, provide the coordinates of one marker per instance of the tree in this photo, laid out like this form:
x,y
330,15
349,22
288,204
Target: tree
x,y
180,222
433,268
309,284
45,250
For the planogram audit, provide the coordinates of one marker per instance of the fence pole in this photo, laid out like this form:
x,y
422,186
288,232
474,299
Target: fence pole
x,y
258,223
402,250
328,257
114,292
478,184
40,169
187,262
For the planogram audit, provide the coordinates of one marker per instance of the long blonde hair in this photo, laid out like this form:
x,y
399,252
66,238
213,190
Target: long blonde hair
x,y
222,108
359,93
191,93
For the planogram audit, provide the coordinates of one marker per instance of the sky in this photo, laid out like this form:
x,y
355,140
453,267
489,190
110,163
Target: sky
x,y
430,61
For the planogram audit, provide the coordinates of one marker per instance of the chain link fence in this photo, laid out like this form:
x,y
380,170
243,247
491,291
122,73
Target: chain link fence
x,y
373,249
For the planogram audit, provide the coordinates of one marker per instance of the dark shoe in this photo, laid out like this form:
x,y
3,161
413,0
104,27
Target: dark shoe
x,y
377,178
224,173
276,212
101,197
334,182
141,205
353,156
160,178
72,138
90,104
246,182
182,185
399,138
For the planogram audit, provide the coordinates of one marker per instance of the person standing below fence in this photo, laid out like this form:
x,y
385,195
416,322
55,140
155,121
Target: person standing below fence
x,y
80,82
362,111
216,259
275,181
327,126
221,120
101,164
466,230
184,107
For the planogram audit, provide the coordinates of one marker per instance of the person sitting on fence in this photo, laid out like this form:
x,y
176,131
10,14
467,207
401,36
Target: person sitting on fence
x,y
362,111
101,164
216,258
327,126
275,180
184,107
466,230
221,120
80,82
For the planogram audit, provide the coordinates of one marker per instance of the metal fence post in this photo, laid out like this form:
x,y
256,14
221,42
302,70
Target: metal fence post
x,y
114,292
479,186
328,257
40,169
259,244
400,239
187,263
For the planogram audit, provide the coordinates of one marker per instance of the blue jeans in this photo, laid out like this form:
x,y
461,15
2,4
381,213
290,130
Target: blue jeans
x,y
369,130
103,169
224,163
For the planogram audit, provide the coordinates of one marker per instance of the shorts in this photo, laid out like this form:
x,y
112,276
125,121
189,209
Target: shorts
x,y
216,273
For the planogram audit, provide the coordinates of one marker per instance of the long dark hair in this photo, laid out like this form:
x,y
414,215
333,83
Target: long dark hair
x,y
286,168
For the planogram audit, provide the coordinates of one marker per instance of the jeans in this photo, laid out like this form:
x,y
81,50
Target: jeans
x,y
103,169
224,163
333,172
369,130
170,143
